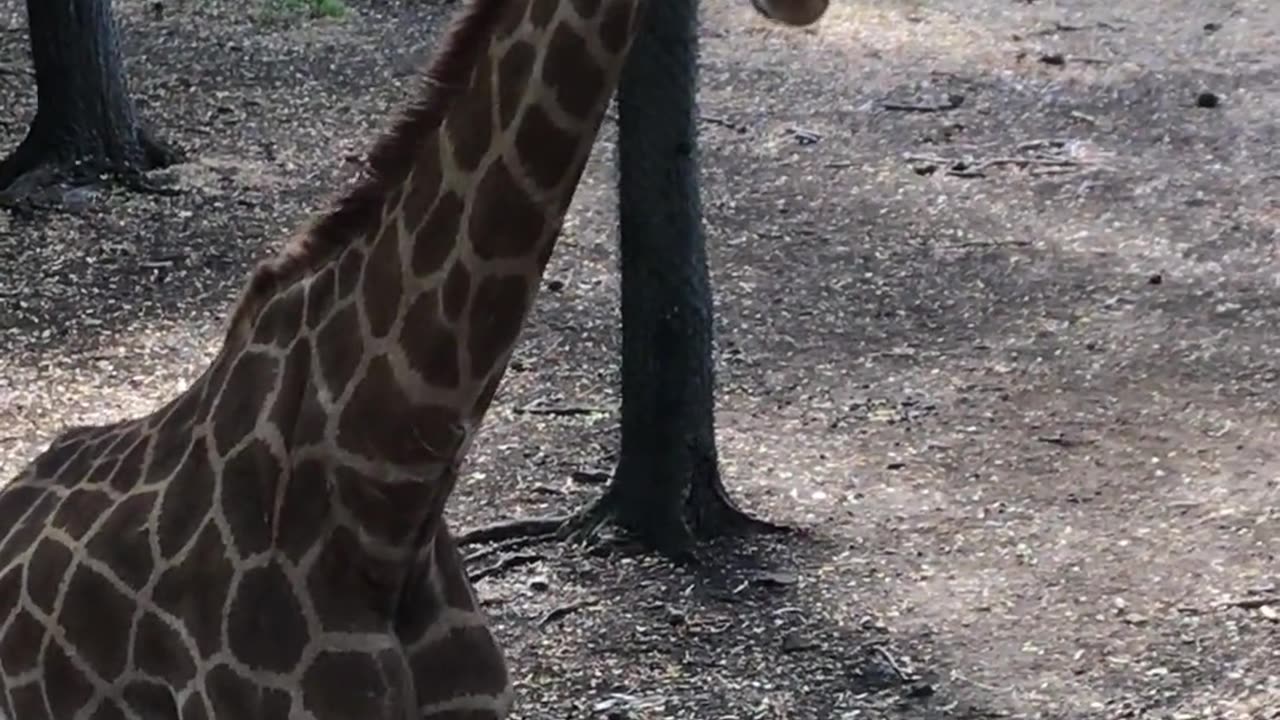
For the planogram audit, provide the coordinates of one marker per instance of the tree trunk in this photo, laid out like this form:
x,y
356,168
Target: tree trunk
x,y
667,488
85,123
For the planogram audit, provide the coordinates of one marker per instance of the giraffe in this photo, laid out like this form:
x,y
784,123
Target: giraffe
x,y
270,543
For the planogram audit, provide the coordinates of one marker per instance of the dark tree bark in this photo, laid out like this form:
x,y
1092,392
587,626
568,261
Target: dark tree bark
x,y
666,491
85,124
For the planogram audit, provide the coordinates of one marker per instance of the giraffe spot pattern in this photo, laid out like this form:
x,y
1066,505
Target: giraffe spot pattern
x,y
95,619
303,509
567,68
295,379
186,500
74,690
195,590
504,221
616,28
265,626
469,123
49,561
515,70
586,9
108,710
457,593
160,651
379,423
241,402
438,234
349,269
497,313
195,708
340,685
469,657
79,510
151,700
321,296
432,348
542,12
28,702
457,289
123,542
379,505
24,534
248,493
351,590
421,191
547,152
20,644
382,282
339,349
281,319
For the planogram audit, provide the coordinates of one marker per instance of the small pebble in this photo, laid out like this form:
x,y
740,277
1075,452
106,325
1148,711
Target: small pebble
x,y
1207,99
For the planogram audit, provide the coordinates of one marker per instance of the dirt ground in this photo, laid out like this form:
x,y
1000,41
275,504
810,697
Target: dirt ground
x,y
997,323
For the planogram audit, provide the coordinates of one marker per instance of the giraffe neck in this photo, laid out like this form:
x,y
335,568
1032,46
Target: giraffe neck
x,y
381,359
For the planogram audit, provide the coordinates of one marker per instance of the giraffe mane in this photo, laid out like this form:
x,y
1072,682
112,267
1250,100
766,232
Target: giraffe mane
x,y
359,208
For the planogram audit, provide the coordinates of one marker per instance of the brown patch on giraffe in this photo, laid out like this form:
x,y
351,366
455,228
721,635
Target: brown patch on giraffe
x,y
379,424
195,591
515,69
128,473
25,533
349,685
586,9
616,29
546,151
379,506
161,652
497,313
382,286
101,471
469,657
542,12
169,448
304,509
504,221
456,292
72,468
95,620
419,606
74,689
291,391
431,348
321,294
422,189
15,502
265,626
28,702
24,634
567,56
350,590
79,510
108,709
469,124
457,594
436,237
45,569
231,695
195,708
357,212
150,700
343,348
123,541
248,494
242,398
280,319
349,269
187,498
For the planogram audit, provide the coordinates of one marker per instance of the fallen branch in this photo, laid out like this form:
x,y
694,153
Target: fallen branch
x,y
514,543
563,410
512,529
952,102
504,565
563,611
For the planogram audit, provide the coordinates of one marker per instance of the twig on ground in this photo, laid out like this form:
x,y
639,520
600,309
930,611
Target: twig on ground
x,y
563,611
564,410
1250,603
504,565
892,662
724,123
983,243
1066,442
952,102
511,544
509,529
